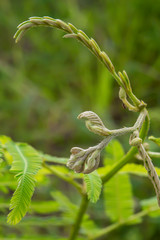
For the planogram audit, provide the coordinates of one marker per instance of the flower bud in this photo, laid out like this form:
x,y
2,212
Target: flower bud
x,y
81,158
136,142
77,159
94,123
76,150
92,162
122,94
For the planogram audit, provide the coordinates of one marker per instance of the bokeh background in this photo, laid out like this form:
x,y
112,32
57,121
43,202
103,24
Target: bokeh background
x,y
46,81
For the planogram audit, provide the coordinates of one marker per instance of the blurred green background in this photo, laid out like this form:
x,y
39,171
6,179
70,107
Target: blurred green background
x,y
46,81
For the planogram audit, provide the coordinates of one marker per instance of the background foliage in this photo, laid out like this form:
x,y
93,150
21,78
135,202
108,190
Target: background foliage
x,y
47,81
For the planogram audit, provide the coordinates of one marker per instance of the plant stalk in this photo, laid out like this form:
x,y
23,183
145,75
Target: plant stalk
x,y
79,218
130,154
63,177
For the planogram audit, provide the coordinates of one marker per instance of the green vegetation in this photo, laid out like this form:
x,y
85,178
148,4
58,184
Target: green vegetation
x,y
106,193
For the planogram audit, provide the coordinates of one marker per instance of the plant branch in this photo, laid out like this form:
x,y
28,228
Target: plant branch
x,y
64,177
91,157
129,155
90,43
151,171
152,174
78,221
92,154
154,154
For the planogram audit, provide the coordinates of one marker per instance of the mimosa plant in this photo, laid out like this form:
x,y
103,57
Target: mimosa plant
x,y
85,174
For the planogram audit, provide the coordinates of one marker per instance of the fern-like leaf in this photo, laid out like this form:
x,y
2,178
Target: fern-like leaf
x,y
114,152
118,198
64,202
130,168
117,192
152,206
137,169
93,186
1,153
26,163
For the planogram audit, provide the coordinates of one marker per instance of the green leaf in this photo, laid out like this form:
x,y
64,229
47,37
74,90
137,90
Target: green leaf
x,y
151,205
44,207
40,221
4,139
137,169
67,208
155,140
117,192
26,163
132,168
118,198
64,202
1,153
89,226
148,203
114,152
93,186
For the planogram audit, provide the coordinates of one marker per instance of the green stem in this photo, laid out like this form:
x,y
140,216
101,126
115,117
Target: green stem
x,y
134,99
78,221
126,221
105,178
130,154
64,177
154,154
116,77
116,167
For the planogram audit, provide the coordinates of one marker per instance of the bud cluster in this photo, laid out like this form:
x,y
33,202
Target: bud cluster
x,y
81,158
